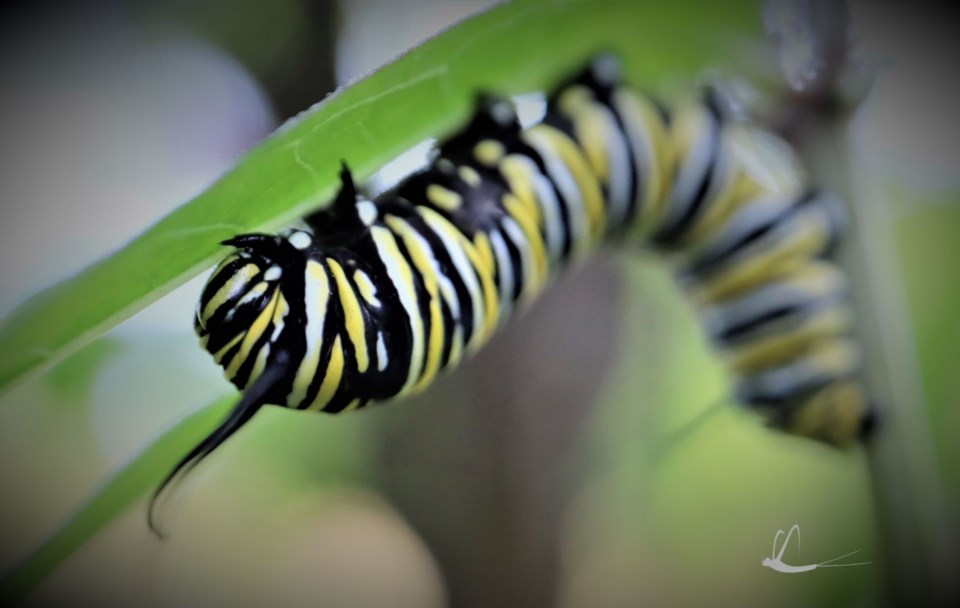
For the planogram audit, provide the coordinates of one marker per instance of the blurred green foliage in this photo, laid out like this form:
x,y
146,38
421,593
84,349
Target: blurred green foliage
x,y
679,491
928,227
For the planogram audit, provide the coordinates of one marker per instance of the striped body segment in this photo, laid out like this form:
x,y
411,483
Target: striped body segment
x,y
380,296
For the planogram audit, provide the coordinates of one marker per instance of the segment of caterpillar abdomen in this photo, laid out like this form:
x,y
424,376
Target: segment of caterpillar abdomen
x,y
380,296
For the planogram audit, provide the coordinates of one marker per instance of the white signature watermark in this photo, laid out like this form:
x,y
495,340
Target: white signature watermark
x,y
775,561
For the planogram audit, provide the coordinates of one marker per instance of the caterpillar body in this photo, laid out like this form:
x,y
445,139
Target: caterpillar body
x,y
379,296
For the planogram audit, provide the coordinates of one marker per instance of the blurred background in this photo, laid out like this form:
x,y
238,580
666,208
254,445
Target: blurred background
x,y
587,457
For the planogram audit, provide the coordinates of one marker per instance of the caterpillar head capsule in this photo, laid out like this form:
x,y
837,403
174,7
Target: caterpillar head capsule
x,y
244,308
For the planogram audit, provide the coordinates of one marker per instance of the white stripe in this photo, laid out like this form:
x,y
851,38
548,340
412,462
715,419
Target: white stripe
x,y
549,207
362,278
751,215
315,303
692,171
280,323
767,298
464,268
618,159
387,249
567,184
449,293
367,212
782,230
786,379
273,273
382,360
504,271
642,146
516,234
255,292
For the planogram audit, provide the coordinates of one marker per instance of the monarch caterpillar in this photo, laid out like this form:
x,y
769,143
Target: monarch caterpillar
x,y
379,296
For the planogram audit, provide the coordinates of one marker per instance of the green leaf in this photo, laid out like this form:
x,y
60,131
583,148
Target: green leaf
x,y
73,377
511,48
121,491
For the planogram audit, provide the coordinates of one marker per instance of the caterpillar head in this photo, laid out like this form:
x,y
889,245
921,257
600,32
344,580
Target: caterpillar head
x,y
244,307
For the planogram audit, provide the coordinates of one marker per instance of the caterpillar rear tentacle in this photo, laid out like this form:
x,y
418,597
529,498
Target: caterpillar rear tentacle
x,y
379,296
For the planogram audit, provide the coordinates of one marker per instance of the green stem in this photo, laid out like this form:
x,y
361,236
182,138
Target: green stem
x,y
910,503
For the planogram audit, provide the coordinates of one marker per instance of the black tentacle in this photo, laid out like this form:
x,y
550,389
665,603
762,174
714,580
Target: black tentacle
x,y
253,399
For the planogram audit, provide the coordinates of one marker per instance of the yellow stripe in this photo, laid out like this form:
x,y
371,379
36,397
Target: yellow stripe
x,y
738,190
488,152
688,125
241,277
480,254
352,316
258,365
747,153
233,256
456,346
534,239
664,154
573,159
390,254
688,122
804,242
351,406
520,181
834,413
485,249
280,311
331,380
469,175
427,270
254,293
366,288
643,121
315,275
486,308
589,127
767,159
218,358
491,303
781,347
816,277
836,357
443,198
256,330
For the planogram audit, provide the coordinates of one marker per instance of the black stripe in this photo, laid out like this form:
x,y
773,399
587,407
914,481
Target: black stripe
x,y
709,264
333,321
633,192
516,261
784,405
668,236
222,331
446,267
804,308
423,303
563,206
